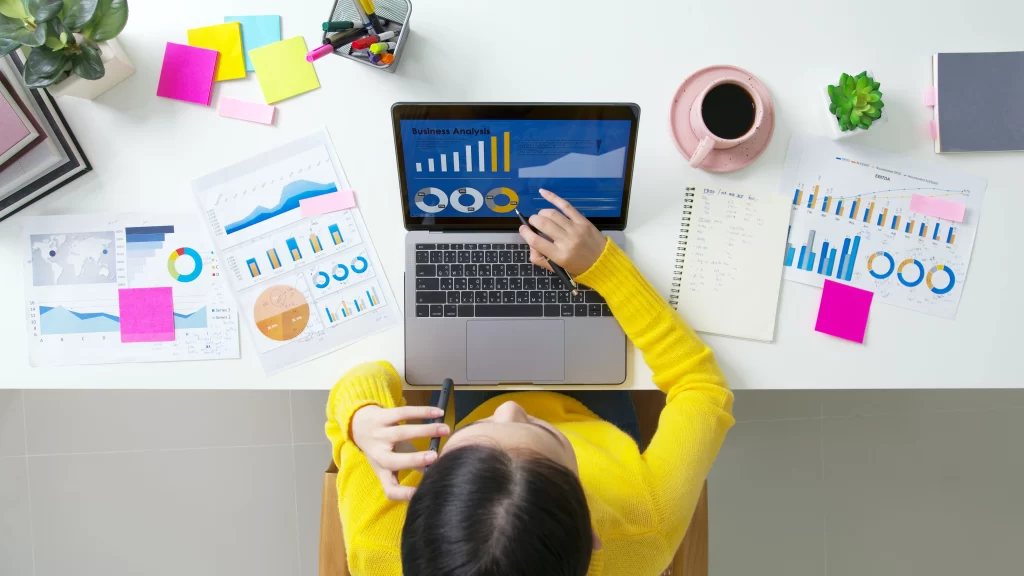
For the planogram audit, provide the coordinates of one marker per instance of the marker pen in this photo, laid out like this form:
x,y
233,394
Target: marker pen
x,y
334,42
382,47
370,40
371,14
338,26
363,18
446,391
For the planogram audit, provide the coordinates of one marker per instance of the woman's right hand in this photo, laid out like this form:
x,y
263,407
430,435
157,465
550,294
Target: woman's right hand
x,y
385,441
575,243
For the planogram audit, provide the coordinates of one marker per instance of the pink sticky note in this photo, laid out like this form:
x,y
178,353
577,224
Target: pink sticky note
x,y
341,200
843,311
933,129
938,208
931,96
243,110
187,73
147,314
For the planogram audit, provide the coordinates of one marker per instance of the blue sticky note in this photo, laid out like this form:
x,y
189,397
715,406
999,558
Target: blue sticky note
x,y
257,31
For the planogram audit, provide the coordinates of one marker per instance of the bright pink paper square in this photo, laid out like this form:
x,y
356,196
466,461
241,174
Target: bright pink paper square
x,y
187,73
147,314
843,311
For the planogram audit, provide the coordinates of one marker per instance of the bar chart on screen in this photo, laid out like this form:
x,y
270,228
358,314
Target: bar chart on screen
x,y
851,221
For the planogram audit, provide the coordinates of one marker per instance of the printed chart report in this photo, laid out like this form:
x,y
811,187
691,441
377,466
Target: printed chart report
x,y
851,222
76,265
305,285
487,168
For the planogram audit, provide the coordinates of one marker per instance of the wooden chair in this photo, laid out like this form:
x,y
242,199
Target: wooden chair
x,y
690,560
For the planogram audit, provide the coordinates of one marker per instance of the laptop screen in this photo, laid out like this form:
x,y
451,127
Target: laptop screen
x,y
480,169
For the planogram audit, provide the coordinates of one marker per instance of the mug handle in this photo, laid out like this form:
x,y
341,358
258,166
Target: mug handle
x,y
701,153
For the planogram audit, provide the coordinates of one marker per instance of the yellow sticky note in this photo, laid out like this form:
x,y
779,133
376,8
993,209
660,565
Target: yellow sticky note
x,y
282,69
226,39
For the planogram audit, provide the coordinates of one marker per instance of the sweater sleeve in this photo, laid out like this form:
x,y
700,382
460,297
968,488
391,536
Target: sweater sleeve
x,y
372,524
698,408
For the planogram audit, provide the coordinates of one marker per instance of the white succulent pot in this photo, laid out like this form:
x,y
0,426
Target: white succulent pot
x,y
117,68
834,131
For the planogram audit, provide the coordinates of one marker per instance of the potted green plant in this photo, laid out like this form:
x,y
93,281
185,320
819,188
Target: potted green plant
x,y
70,44
854,104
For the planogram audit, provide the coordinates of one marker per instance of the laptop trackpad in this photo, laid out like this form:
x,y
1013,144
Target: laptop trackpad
x,y
515,350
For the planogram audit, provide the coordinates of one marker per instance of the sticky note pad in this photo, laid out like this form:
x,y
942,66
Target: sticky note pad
x,y
257,31
226,39
243,110
147,314
340,200
843,311
282,69
938,208
187,73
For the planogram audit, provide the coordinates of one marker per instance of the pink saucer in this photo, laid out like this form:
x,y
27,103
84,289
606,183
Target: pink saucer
x,y
731,159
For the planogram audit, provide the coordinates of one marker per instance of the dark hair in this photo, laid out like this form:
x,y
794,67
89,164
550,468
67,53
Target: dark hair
x,y
481,511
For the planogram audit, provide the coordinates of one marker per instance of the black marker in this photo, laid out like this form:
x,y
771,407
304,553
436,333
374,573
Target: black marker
x,y
446,391
559,271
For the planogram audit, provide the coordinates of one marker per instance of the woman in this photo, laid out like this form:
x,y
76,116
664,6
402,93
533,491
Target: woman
x,y
533,483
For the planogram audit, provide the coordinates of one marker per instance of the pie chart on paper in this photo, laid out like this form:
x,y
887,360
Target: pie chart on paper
x,y
281,313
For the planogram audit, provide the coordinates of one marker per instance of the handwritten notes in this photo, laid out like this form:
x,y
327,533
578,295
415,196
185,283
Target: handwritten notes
x,y
843,311
147,314
187,73
341,200
282,69
257,31
938,208
225,39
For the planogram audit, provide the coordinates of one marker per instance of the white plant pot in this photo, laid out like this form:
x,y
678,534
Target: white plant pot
x,y
835,132
117,68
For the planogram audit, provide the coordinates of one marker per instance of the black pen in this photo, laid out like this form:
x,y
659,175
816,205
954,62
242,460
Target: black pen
x,y
559,271
446,391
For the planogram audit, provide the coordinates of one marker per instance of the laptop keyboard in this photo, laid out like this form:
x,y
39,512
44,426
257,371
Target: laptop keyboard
x,y
494,281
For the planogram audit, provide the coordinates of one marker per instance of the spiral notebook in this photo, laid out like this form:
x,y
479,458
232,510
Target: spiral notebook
x,y
728,265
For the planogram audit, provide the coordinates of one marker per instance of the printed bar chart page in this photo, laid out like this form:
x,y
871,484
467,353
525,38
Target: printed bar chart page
x,y
852,222
78,266
305,285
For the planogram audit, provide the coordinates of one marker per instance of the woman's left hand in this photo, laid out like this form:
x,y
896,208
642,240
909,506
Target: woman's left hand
x,y
385,441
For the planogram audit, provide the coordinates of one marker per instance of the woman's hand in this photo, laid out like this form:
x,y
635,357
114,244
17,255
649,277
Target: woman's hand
x,y
575,243
378,432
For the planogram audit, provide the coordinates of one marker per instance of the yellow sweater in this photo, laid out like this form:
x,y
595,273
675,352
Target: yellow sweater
x,y
640,504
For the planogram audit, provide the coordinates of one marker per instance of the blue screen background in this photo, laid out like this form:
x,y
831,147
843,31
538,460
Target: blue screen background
x,y
583,161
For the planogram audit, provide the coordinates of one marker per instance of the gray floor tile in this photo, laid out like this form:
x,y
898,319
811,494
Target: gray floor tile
x,y
12,424
309,413
15,535
776,404
844,403
310,463
76,421
765,501
196,512
926,493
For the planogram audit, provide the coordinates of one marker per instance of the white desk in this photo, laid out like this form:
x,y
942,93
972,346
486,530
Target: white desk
x,y
145,151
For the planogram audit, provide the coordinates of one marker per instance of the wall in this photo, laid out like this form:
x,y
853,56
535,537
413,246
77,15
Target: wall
x,y
112,483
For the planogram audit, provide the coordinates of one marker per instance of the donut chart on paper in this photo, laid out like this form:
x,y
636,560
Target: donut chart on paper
x,y
931,284
887,273
197,264
903,279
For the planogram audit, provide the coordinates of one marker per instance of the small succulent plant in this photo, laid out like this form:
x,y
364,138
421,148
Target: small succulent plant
x,y
856,101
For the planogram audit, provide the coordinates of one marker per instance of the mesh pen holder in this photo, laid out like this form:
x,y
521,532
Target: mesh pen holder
x,y
394,15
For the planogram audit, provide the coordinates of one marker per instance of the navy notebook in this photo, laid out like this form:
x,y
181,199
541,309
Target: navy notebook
x,y
978,106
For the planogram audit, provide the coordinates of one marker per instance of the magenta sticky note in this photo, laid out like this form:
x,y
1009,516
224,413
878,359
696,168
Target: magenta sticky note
x,y
187,73
931,96
147,314
243,110
938,208
843,311
341,200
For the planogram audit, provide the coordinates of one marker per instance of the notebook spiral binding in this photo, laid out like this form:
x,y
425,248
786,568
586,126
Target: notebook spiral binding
x,y
680,259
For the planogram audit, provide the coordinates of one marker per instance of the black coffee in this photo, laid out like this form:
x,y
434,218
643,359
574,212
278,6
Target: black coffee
x,y
728,111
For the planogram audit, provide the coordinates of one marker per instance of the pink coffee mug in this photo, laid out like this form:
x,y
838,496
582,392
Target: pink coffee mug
x,y
709,141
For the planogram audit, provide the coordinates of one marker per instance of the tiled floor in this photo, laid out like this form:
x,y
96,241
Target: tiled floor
x,y
808,483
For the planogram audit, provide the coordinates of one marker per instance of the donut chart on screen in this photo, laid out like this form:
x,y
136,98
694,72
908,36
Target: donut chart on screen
x,y
475,195
493,195
442,200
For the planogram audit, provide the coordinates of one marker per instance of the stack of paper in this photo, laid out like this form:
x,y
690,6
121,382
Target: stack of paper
x,y
38,152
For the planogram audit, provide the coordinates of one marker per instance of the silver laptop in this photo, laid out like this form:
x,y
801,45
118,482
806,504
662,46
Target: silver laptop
x,y
476,310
